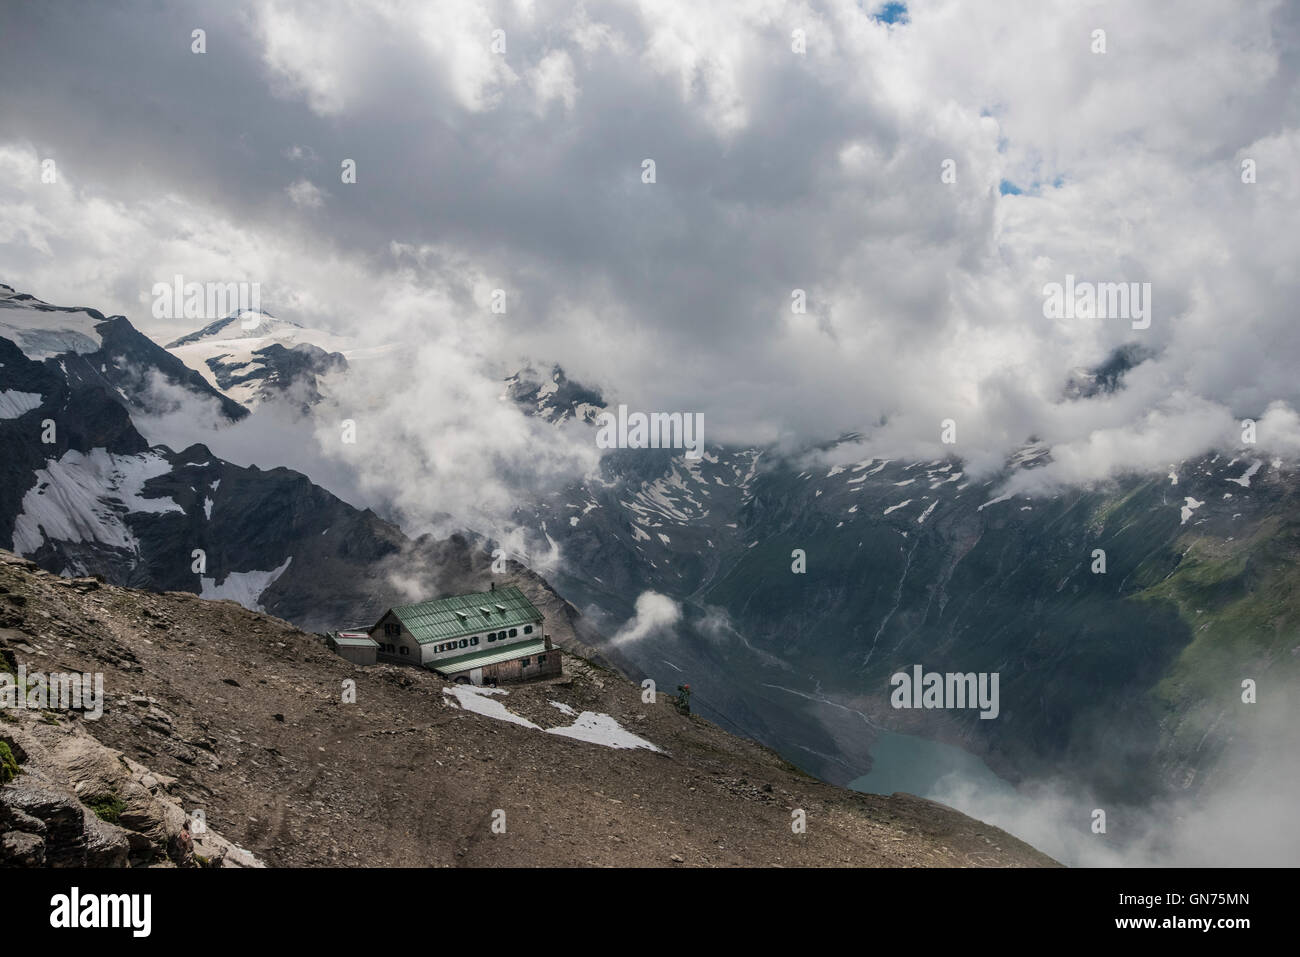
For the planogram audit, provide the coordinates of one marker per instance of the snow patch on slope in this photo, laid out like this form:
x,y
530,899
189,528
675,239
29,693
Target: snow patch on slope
x,y
603,730
589,726
84,498
1244,479
45,333
243,587
14,403
479,701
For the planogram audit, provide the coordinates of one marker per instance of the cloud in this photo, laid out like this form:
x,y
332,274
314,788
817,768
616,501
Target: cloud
x,y
654,613
1134,441
305,194
418,428
553,80
776,171
434,436
1240,817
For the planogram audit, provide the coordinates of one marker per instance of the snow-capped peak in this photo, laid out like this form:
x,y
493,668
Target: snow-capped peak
x,y
251,355
243,324
42,331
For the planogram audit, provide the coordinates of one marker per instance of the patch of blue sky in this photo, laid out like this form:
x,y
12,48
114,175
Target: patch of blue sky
x,y
892,13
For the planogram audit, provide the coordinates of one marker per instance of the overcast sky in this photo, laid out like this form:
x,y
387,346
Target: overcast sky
x,y
775,170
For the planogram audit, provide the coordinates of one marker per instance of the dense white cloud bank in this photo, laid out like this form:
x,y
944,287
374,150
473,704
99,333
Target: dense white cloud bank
x,y
501,146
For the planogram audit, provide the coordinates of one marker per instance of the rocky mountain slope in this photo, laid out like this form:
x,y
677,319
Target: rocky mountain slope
x,y
1129,678
246,718
553,397
253,357
68,801
91,351
82,491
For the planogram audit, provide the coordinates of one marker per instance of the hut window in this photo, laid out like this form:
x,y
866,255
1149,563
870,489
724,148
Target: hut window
x,y
514,632
528,629
523,663
464,643
541,659
474,640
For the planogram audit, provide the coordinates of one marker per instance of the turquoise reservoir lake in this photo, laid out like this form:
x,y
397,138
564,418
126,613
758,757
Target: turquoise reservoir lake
x,y
929,769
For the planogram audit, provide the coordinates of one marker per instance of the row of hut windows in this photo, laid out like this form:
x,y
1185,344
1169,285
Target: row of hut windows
x,y
470,642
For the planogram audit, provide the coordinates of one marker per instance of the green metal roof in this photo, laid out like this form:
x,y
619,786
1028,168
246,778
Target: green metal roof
x,y
489,656
464,614
361,640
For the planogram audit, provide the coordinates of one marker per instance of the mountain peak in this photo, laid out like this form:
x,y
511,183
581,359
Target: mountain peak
x,y
240,324
553,397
